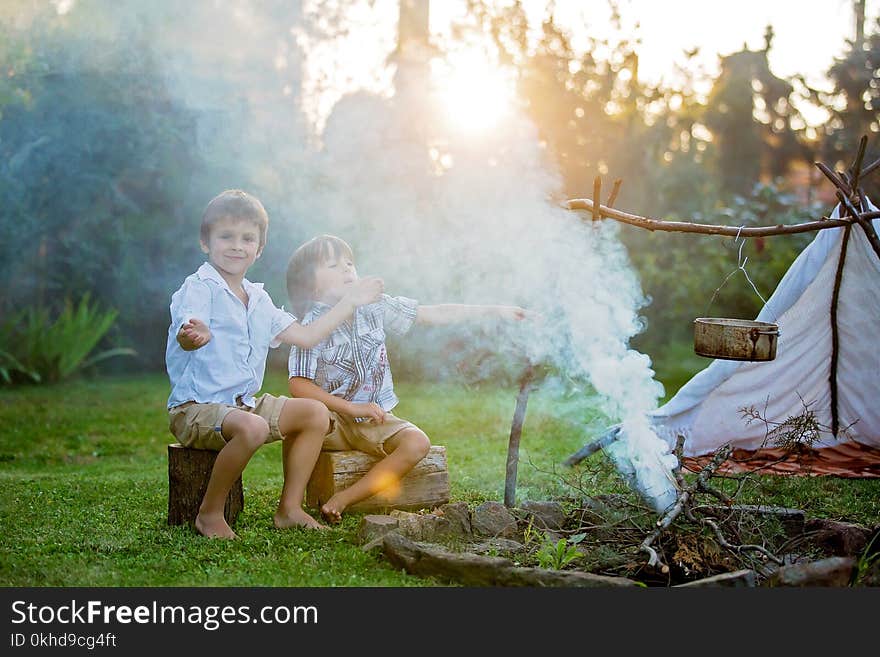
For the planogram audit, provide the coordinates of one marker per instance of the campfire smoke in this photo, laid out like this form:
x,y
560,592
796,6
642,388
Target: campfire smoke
x,y
443,215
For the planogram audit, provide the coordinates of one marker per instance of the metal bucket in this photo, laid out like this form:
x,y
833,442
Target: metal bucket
x,y
735,339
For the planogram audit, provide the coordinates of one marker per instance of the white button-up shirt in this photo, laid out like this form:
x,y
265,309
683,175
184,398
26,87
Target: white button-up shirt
x,y
231,366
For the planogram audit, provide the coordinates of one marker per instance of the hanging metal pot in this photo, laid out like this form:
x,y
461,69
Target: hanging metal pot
x,y
735,339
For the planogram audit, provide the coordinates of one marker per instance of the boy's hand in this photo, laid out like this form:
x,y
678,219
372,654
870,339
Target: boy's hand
x,y
517,314
194,334
366,290
371,411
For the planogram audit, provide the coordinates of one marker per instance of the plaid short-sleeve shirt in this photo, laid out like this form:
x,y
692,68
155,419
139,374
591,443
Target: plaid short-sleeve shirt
x,y
352,362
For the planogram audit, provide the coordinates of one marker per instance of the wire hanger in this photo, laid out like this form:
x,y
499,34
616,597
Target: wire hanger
x,y
740,266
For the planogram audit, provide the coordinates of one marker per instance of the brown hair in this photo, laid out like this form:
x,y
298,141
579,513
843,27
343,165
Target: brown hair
x,y
302,265
238,205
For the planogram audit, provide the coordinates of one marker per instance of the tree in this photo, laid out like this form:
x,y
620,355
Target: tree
x,y
751,114
853,104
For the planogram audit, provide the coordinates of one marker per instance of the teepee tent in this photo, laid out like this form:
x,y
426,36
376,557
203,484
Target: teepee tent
x,y
710,410
821,393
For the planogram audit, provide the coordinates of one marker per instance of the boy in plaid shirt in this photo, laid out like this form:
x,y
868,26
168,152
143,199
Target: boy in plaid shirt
x,y
349,370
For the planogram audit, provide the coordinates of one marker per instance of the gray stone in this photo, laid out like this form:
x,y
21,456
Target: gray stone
x,y
375,526
738,579
421,527
842,539
459,516
544,515
494,519
834,571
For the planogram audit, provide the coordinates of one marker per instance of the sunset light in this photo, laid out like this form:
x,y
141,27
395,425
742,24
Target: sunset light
x,y
306,302
474,95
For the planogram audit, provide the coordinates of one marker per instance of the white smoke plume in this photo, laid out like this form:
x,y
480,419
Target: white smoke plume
x,y
443,215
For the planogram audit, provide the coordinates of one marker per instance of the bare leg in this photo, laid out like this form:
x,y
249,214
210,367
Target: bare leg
x,y
246,434
303,422
405,449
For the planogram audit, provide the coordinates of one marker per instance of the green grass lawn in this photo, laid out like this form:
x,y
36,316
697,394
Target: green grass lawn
x,y
84,474
84,479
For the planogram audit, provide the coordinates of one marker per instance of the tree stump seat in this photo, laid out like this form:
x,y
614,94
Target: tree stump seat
x,y
188,474
424,487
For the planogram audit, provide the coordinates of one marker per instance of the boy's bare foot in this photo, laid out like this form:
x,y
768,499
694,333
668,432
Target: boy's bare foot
x,y
332,509
214,527
296,518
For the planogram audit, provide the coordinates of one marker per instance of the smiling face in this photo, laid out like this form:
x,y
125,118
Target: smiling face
x,y
334,277
232,247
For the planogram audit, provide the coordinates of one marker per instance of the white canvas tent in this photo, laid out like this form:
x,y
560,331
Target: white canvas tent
x,y
707,410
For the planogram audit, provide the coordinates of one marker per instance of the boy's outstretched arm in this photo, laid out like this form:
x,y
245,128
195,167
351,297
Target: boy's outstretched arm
x,y
194,334
450,313
302,387
366,290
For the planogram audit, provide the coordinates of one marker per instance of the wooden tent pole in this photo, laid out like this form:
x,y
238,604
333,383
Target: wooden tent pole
x,y
835,339
845,191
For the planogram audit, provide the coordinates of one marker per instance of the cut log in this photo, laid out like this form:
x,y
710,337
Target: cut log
x,y
475,570
188,474
424,487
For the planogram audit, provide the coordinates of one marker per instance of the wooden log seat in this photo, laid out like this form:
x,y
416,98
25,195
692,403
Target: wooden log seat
x,y
188,474
424,487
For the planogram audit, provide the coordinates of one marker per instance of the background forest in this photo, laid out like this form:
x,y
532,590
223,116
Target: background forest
x,y
108,157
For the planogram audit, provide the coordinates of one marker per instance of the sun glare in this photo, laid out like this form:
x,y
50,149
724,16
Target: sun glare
x,y
474,95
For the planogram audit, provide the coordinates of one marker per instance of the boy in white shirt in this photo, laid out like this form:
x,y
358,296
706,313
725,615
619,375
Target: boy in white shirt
x,y
222,326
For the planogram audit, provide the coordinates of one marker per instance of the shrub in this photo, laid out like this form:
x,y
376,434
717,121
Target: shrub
x,y
556,555
40,349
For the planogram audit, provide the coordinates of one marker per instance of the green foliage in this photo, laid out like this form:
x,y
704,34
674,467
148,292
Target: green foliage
x,y
46,349
869,557
690,276
10,367
107,163
853,103
556,555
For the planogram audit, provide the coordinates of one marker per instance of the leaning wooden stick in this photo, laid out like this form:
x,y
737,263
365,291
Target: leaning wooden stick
x,y
856,168
609,202
592,447
519,416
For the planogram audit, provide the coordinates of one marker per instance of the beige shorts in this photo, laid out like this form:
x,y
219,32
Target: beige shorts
x,y
199,425
367,436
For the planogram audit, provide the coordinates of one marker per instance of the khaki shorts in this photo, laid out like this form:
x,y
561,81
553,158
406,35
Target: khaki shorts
x,y
367,436
199,425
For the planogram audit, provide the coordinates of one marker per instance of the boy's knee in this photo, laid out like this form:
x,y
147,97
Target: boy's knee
x,y
416,442
310,414
253,431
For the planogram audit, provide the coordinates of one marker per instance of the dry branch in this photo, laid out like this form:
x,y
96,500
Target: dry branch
x,y
739,548
706,229
664,522
609,202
